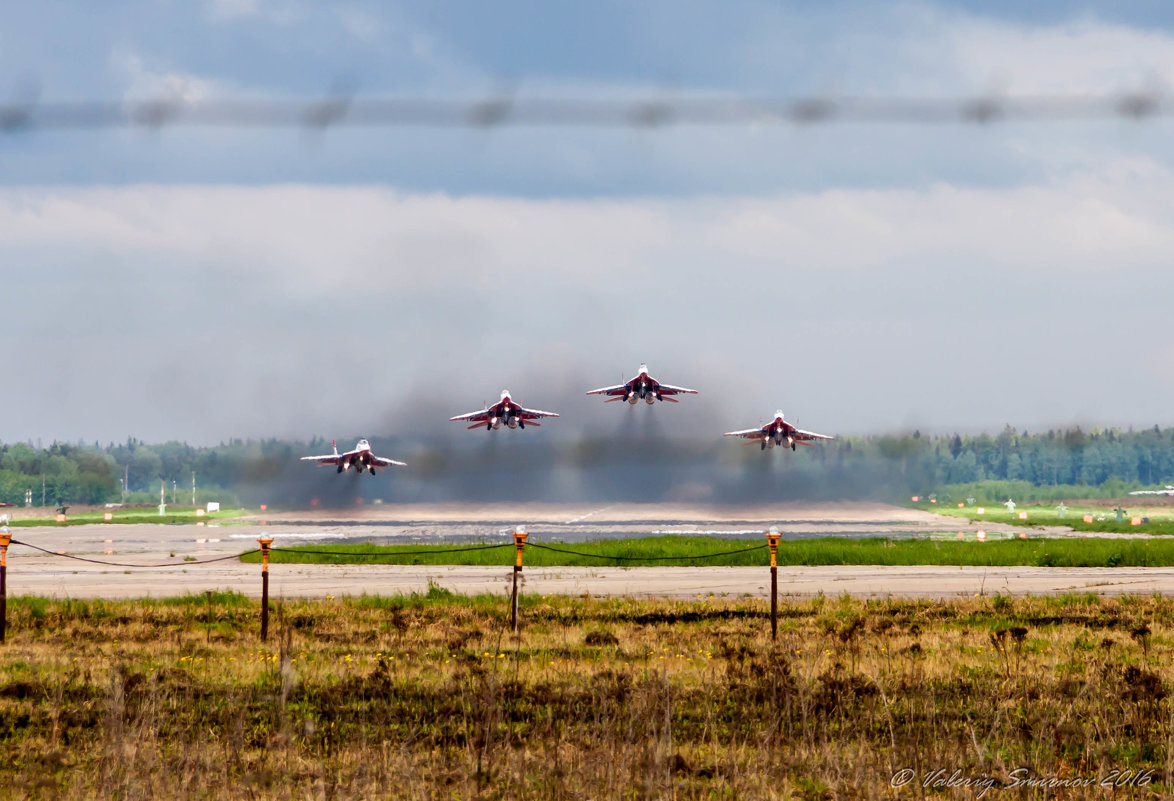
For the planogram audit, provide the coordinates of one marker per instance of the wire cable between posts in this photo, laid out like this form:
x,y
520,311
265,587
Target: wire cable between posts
x,y
395,554
125,564
454,550
618,558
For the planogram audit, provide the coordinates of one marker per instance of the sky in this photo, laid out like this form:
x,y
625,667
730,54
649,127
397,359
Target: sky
x,y
205,284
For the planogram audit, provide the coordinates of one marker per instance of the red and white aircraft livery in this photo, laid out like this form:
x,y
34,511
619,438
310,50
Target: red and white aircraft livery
x,y
778,432
361,457
642,387
504,411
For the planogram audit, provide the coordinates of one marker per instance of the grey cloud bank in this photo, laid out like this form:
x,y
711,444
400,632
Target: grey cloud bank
x,y
202,313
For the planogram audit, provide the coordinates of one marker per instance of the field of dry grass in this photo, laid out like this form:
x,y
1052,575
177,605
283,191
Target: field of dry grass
x,y
432,697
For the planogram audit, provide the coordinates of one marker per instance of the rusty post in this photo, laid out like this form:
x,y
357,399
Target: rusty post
x,y
5,540
772,537
519,543
265,543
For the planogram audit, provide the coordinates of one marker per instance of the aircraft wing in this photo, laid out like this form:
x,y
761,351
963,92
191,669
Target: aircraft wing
x,y
749,433
329,459
480,416
669,389
799,435
618,389
379,460
533,414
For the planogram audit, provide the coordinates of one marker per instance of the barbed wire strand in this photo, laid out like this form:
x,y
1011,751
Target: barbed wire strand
x,y
125,564
348,111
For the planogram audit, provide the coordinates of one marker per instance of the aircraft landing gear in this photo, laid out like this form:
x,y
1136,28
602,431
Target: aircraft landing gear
x,y
340,468
521,423
792,446
762,445
488,426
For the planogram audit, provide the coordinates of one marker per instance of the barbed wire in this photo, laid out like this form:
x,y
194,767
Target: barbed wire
x,y
346,110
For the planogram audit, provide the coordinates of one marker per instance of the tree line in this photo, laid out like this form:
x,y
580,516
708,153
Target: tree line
x,y
1070,462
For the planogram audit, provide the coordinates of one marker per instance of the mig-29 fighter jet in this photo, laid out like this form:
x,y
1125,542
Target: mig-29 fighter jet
x,y
778,432
361,457
505,411
642,387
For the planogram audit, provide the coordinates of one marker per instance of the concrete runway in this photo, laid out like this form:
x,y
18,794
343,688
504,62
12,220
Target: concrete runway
x,y
32,572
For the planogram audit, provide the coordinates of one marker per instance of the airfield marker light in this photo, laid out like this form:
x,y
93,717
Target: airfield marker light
x,y
1135,521
519,543
264,507
1023,515
961,536
5,540
982,536
772,537
265,543
60,517
981,510
1087,518
915,498
1022,535
960,505
199,513
107,517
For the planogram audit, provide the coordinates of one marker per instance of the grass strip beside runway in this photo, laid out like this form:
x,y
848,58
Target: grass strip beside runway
x,y
669,551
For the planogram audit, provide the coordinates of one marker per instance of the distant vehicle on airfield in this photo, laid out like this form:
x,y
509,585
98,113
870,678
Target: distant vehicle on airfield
x,y
642,387
504,412
778,432
360,458
1168,491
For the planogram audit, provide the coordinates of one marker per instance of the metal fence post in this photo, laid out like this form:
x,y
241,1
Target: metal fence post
x,y
5,541
265,543
520,543
772,537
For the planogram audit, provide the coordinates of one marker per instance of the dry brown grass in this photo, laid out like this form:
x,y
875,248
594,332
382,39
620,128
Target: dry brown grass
x,y
433,698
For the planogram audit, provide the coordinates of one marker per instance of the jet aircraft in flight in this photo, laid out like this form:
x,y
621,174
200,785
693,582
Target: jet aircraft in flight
x,y
778,432
361,457
506,412
642,387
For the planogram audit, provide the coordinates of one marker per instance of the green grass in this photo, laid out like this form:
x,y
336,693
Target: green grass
x,y
1161,522
177,514
827,551
435,697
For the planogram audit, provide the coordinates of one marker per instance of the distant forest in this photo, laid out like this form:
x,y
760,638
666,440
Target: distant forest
x,y
645,467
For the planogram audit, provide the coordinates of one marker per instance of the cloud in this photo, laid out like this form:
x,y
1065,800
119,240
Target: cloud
x,y
279,13
239,311
144,82
1083,55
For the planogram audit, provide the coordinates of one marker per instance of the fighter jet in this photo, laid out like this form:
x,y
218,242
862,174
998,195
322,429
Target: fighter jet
x,y
1168,491
642,387
361,457
504,411
778,432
